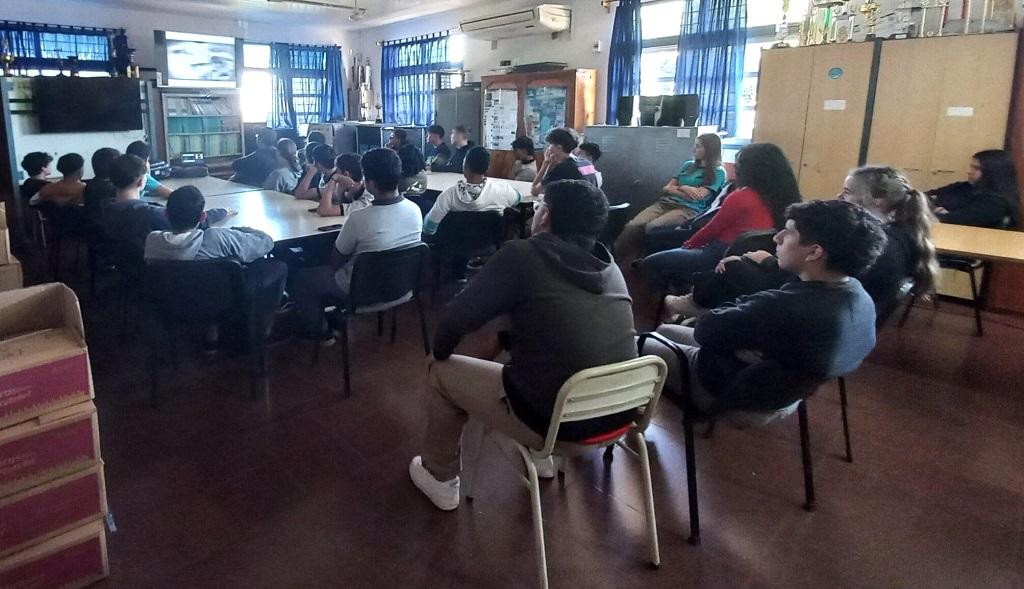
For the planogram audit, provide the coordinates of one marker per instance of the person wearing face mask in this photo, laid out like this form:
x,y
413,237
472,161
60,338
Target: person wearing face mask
x,y
476,192
462,145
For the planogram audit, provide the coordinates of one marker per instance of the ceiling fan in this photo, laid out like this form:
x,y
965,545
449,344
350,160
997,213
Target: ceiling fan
x,y
357,13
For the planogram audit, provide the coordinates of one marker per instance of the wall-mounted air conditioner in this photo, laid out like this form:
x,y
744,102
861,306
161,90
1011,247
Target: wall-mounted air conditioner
x,y
543,19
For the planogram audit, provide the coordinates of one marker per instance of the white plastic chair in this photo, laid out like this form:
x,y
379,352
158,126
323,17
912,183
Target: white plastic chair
x,y
588,394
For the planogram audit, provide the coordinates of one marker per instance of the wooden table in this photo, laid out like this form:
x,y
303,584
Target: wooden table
x,y
280,215
977,242
208,185
441,181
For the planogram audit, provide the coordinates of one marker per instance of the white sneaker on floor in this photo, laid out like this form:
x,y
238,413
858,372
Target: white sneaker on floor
x,y
545,466
443,494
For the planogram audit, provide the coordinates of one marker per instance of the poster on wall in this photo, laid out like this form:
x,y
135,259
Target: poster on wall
x,y
545,110
501,113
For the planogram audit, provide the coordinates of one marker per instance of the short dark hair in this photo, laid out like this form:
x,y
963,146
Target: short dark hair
x,y
461,130
309,149
139,149
126,170
382,167
562,138
101,160
351,163
851,236
324,155
477,160
524,143
266,137
185,208
400,135
592,150
435,130
316,137
578,210
34,162
70,163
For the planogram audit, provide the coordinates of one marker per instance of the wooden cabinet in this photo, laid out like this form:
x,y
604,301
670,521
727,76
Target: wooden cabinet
x,y
783,85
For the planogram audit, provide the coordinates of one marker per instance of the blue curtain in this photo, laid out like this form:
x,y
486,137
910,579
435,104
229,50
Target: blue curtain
x,y
38,46
408,78
710,64
283,112
333,104
624,56
309,84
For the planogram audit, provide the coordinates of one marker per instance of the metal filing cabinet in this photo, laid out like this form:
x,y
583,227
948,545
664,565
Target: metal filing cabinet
x,y
637,162
458,106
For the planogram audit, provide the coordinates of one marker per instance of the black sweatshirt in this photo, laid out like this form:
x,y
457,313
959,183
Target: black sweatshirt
x,y
967,206
569,310
456,160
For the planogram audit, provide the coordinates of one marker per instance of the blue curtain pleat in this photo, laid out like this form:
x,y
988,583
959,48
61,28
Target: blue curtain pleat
x,y
624,56
313,76
710,64
407,78
283,112
39,46
333,104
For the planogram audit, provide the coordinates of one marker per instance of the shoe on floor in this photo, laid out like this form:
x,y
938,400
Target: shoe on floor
x,y
443,494
545,466
682,306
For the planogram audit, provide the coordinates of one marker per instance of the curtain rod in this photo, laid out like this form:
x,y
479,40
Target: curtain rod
x,y
418,37
70,27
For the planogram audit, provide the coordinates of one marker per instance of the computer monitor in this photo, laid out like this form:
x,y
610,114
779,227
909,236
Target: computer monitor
x,y
624,111
650,110
679,110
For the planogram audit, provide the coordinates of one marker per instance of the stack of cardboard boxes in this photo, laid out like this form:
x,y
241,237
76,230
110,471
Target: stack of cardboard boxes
x,y
52,495
10,267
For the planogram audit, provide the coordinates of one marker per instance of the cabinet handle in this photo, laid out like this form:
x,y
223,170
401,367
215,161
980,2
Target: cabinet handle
x,y
945,172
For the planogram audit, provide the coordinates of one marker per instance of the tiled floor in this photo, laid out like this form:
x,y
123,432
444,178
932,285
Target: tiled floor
x,y
303,489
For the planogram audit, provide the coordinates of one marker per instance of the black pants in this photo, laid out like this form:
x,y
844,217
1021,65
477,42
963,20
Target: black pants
x,y
265,280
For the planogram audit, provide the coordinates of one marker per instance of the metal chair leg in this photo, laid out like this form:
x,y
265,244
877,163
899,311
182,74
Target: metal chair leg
x,y
805,449
394,324
649,517
344,356
609,453
691,482
423,326
538,518
906,310
846,422
976,302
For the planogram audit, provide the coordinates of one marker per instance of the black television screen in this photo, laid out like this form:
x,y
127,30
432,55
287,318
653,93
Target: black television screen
x,y
82,105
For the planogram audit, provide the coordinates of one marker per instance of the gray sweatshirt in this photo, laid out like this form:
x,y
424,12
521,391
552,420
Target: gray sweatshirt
x,y
243,243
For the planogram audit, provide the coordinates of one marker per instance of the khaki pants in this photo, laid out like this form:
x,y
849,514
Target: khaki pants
x,y
683,336
663,213
462,387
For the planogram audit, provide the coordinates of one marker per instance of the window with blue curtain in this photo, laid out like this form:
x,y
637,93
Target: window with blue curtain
x,y
308,84
40,47
409,76
624,56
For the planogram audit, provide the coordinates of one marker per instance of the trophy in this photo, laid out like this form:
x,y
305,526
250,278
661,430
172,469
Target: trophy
x,y
6,59
782,28
870,11
925,6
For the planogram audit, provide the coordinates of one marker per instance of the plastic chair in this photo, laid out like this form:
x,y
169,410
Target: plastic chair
x,y
381,281
202,292
466,234
618,216
588,394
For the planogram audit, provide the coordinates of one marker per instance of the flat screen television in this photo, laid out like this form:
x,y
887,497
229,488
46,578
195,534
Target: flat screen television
x,y
82,105
198,60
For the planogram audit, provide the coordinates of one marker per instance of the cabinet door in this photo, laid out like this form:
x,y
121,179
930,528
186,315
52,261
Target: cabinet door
x,y
782,89
835,117
975,102
907,99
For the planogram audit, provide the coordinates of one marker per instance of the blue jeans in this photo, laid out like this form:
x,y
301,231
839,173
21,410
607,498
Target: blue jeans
x,y
677,266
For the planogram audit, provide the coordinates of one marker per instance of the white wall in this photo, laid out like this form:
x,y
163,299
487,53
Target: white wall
x,y
590,23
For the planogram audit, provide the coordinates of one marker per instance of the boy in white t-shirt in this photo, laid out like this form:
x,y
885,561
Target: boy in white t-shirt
x,y
390,222
475,193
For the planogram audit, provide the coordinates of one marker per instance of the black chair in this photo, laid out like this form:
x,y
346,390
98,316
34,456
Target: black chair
x,y
618,216
764,387
466,234
752,241
381,281
970,267
202,292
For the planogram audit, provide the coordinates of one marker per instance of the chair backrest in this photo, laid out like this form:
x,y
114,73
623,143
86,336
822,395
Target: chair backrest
x,y
618,216
885,311
765,386
752,241
606,390
195,291
469,232
385,276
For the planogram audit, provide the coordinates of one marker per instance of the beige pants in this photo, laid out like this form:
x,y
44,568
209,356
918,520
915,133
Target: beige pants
x,y
683,336
462,387
663,213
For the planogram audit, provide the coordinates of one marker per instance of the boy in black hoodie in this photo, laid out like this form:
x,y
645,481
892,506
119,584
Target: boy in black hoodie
x,y
568,308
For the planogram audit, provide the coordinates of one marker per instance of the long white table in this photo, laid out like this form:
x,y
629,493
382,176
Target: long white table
x,y
280,215
208,185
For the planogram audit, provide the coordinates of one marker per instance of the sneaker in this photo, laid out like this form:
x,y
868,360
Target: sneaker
x,y
682,306
443,494
545,466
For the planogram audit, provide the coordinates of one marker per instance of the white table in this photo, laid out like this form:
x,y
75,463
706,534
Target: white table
x,y
208,185
280,215
441,181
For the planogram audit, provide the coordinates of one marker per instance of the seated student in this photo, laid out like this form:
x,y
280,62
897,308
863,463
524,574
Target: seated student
x,y
286,177
822,325
413,165
313,139
344,192
130,220
37,165
688,194
142,150
987,199
68,190
524,168
99,189
254,168
391,222
909,253
560,163
592,152
767,186
308,185
437,153
462,144
569,310
476,193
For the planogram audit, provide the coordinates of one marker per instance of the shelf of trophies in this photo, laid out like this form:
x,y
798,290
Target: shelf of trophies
x,y
211,124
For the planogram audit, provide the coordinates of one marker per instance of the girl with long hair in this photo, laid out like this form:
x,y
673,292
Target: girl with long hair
x,y
988,198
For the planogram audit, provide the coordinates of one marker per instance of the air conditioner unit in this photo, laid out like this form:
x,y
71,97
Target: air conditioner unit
x,y
546,18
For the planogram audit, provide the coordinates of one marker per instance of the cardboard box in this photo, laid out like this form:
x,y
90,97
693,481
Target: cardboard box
x,y
42,512
11,277
72,560
49,447
44,363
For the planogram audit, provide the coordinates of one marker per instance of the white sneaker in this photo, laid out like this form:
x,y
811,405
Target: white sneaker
x,y
545,466
443,494
683,306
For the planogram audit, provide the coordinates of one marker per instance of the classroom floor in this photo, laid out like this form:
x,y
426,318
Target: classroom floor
x,y
304,489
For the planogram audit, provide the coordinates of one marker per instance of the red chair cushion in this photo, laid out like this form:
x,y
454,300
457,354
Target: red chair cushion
x,y
612,435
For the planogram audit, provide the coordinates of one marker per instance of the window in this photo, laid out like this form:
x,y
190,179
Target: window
x,y
257,91
305,68
411,69
40,49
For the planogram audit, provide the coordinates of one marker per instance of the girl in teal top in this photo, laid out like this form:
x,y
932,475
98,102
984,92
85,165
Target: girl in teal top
x,y
685,196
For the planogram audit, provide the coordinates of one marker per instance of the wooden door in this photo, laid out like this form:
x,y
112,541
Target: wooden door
x,y
840,76
782,90
907,99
